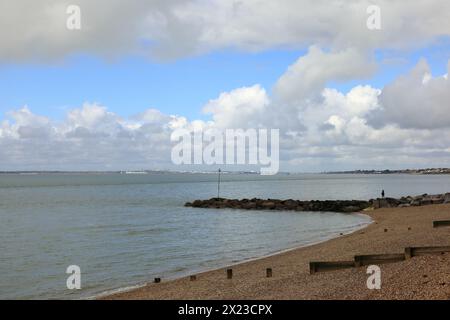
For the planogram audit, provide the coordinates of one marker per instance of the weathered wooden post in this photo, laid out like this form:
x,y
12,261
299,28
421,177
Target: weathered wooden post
x,y
408,253
312,267
229,273
269,272
358,261
193,278
442,223
157,280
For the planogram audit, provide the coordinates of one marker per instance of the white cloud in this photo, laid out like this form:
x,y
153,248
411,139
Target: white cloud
x,y
309,74
240,108
416,100
175,28
90,138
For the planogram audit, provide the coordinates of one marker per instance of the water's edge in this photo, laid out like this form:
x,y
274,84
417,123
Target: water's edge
x,y
184,274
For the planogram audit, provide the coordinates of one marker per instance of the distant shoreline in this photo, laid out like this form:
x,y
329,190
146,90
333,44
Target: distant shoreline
x,y
423,171
403,171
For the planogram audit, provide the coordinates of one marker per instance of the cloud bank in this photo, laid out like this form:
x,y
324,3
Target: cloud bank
x,y
324,128
169,29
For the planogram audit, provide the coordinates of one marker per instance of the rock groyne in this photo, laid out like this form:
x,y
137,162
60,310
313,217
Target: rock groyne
x,y
275,204
346,206
411,201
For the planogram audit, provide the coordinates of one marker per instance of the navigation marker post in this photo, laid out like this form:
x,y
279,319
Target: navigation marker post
x,y
218,185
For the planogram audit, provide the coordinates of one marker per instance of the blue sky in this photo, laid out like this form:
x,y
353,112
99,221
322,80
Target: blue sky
x,y
131,84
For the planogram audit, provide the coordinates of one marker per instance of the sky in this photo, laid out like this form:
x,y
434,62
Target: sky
x,y
108,95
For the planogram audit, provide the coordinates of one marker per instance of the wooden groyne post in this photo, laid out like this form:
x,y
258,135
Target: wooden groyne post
x,y
441,223
329,266
364,260
422,251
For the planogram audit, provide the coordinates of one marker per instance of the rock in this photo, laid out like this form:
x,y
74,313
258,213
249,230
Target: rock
x,y
268,204
290,204
415,203
437,200
249,206
197,203
447,198
392,202
381,203
351,209
347,206
426,202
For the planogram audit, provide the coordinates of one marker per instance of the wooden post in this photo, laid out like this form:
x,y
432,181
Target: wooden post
x,y
193,278
229,273
408,253
157,280
442,223
358,261
269,272
312,267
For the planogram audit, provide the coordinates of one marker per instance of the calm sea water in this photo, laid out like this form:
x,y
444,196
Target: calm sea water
x,y
124,230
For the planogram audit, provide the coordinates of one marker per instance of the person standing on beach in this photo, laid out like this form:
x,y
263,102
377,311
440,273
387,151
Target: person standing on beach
x,y
382,193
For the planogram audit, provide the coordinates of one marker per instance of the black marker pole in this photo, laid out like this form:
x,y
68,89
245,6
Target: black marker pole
x,y
218,185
